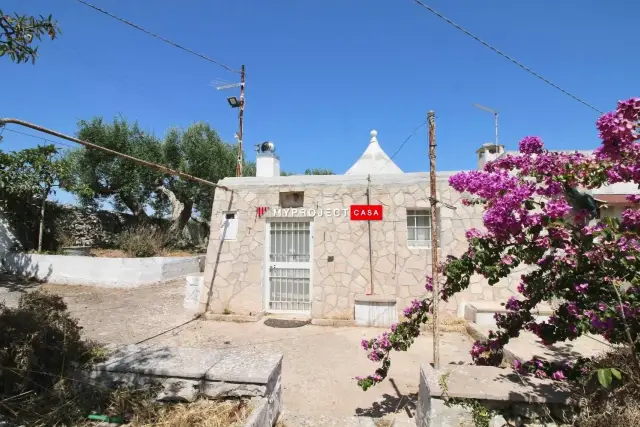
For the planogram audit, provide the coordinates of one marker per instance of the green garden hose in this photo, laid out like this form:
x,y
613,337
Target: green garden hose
x,y
116,420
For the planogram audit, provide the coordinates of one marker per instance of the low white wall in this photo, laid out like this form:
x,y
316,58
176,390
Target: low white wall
x,y
103,272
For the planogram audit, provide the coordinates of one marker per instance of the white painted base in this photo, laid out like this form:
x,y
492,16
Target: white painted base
x,y
192,289
375,313
102,272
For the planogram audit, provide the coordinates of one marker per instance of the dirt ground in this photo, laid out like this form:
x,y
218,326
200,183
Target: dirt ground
x,y
320,363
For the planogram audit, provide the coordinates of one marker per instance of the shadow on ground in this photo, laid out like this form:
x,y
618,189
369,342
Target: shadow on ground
x,y
391,404
11,283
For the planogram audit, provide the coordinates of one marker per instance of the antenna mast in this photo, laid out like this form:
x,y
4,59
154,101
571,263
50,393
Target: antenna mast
x,y
240,105
495,117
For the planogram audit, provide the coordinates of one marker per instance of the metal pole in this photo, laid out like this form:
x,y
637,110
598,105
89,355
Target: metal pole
x,y
106,150
241,124
496,117
434,239
370,245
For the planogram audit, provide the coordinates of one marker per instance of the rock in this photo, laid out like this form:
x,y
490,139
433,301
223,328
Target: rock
x,y
177,390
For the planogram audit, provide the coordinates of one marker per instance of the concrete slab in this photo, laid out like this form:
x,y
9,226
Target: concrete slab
x,y
482,312
527,345
232,365
494,384
497,388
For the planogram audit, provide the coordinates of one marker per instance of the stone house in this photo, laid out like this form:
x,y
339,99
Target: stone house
x,y
287,244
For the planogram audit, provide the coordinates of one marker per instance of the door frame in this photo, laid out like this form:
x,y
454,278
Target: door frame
x,y
266,285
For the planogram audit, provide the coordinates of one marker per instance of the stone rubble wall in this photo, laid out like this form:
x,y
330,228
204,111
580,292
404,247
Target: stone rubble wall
x,y
237,267
84,227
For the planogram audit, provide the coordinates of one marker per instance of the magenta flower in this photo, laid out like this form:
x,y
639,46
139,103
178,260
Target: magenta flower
x,y
558,376
634,198
507,260
531,145
581,287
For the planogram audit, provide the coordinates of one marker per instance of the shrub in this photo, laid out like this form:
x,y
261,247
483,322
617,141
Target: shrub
x,y
536,216
142,241
615,406
40,347
39,342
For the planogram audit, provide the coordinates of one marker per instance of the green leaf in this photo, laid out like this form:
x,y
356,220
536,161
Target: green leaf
x,y
616,373
604,377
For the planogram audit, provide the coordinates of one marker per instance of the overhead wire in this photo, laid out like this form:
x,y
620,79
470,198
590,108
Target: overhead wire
x,y
137,27
411,135
37,137
504,55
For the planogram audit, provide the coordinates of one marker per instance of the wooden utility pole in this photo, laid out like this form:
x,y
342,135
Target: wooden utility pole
x,y
434,238
240,120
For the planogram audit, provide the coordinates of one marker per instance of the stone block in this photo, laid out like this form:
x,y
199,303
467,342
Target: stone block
x,y
246,368
495,387
496,384
186,373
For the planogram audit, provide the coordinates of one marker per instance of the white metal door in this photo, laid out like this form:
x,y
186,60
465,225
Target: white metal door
x,y
289,266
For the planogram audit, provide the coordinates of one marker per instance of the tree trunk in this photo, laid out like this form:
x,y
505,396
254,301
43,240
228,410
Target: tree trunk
x,y
180,212
45,193
137,210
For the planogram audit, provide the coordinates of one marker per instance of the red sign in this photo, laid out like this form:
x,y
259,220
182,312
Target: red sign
x,y
366,213
261,211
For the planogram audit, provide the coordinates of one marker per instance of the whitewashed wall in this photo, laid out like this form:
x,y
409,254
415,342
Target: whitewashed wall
x,y
102,272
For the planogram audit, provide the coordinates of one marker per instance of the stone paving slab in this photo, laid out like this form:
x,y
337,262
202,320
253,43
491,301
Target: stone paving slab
x,y
232,365
527,345
494,384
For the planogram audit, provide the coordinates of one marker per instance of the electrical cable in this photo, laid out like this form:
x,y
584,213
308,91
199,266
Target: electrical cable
x,y
504,55
137,27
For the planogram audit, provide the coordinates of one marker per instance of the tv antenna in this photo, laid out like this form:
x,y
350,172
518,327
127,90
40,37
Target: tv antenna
x,y
495,116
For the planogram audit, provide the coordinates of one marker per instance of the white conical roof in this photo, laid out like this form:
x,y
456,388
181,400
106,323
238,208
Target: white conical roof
x,y
374,161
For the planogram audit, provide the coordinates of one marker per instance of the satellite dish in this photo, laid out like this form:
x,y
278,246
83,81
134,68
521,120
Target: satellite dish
x,y
267,147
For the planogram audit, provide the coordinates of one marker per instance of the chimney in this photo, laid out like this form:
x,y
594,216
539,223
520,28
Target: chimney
x,y
488,152
267,163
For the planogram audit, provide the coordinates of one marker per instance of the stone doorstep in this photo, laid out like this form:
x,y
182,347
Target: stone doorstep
x,y
333,322
238,318
490,383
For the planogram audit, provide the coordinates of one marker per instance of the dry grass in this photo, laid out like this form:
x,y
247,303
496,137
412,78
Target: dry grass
x,y
447,324
618,406
201,413
117,253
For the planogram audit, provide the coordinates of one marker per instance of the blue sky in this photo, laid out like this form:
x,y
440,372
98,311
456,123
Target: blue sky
x,y
321,75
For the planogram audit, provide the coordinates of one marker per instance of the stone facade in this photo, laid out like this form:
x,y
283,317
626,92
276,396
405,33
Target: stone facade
x,y
235,270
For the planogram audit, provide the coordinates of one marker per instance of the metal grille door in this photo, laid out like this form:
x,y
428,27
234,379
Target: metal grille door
x,y
289,267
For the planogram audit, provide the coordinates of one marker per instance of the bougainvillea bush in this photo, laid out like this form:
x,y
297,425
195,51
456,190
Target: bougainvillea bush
x,y
537,212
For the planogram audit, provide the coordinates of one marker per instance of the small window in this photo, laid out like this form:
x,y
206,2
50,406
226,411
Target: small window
x,y
292,199
229,226
419,228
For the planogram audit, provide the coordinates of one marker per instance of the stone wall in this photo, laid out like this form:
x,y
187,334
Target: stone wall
x,y
235,270
82,227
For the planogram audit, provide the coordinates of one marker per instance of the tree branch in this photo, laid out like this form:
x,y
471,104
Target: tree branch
x,y
176,205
